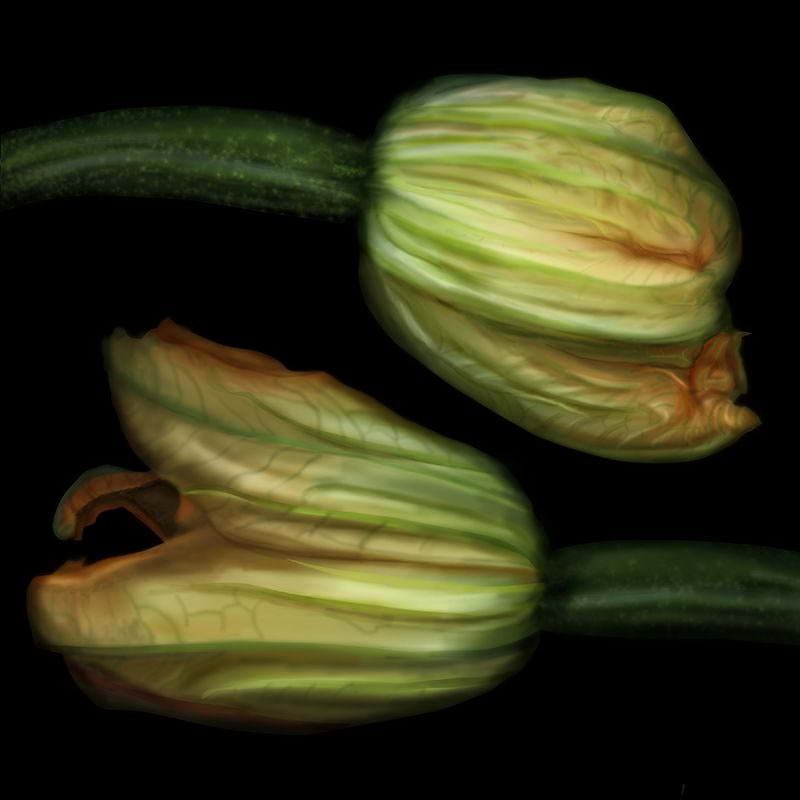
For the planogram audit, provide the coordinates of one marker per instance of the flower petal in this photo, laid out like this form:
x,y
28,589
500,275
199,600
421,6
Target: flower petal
x,y
144,494
273,456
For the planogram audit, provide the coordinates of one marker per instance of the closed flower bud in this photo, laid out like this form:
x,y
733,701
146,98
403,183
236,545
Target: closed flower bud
x,y
324,562
559,251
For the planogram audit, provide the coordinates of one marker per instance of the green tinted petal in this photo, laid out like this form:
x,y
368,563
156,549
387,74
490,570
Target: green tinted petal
x,y
335,564
559,250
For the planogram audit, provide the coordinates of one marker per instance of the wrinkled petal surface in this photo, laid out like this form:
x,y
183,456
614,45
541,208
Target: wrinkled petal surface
x,y
559,250
324,563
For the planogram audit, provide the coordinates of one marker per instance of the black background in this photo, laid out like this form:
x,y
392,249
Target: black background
x,y
676,716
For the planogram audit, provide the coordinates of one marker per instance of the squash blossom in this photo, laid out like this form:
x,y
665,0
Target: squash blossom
x,y
325,563
556,249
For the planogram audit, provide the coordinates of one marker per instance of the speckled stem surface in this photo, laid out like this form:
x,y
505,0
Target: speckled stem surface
x,y
226,156
681,589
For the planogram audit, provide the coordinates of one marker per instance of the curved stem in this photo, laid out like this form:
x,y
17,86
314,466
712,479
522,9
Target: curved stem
x,y
226,156
677,589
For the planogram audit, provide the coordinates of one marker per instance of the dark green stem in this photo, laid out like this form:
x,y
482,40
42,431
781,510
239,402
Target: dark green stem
x,y
226,156
677,589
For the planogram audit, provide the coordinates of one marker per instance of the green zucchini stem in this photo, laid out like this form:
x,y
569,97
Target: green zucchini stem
x,y
225,156
674,589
